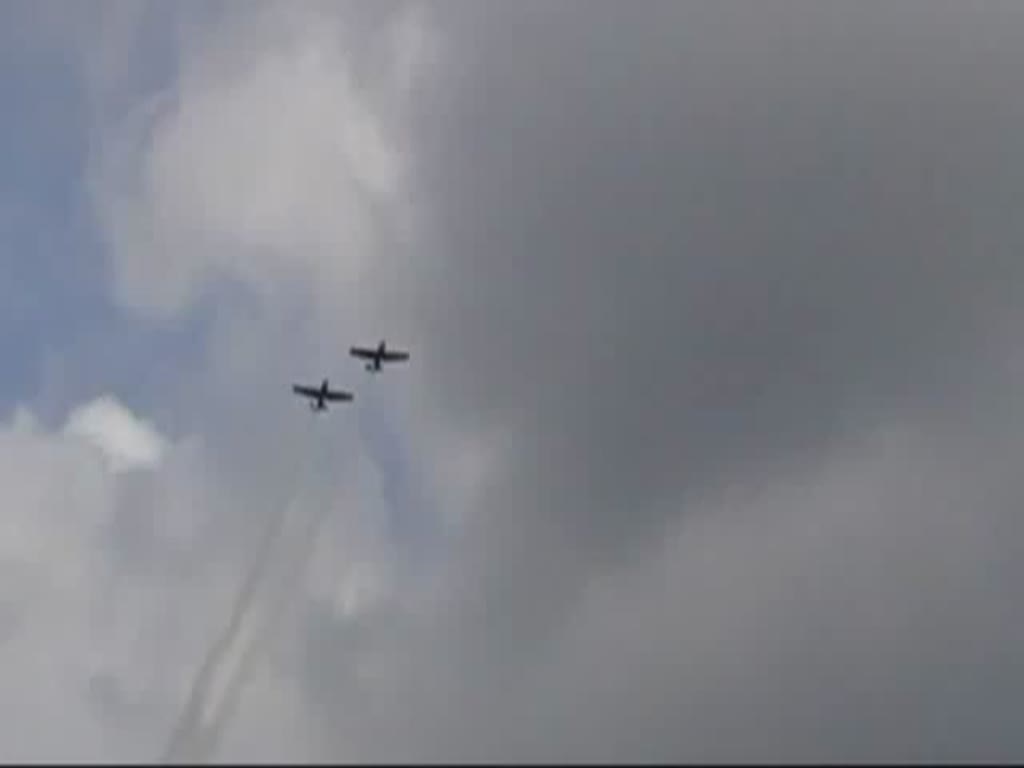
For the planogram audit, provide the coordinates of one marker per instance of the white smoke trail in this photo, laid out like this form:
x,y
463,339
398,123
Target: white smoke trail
x,y
189,727
189,720
208,739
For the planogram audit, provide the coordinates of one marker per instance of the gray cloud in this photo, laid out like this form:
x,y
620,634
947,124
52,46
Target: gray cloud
x,y
712,310
686,248
686,243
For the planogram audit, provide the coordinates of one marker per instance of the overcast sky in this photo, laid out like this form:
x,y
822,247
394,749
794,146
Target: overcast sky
x,y
709,444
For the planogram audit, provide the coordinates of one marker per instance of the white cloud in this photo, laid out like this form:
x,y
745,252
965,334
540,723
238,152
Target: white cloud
x,y
58,499
126,441
266,163
103,603
277,160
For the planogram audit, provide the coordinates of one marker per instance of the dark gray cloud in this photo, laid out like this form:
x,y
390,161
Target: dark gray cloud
x,y
686,242
690,247
700,234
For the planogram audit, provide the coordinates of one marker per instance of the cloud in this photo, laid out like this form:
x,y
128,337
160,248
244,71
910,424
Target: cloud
x,y
70,633
264,164
677,253
114,583
713,314
852,610
713,255
126,441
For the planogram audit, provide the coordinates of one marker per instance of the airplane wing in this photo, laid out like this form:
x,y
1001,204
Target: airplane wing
x,y
391,356
305,391
337,396
363,352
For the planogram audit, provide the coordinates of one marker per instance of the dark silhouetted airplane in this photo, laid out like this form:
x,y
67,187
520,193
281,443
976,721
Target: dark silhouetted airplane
x,y
375,357
320,396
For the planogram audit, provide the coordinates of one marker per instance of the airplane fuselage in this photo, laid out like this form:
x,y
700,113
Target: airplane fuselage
x,y
320,404
374,365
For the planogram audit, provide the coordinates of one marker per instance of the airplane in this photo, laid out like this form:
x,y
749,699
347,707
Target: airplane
x,y
320,396
377,356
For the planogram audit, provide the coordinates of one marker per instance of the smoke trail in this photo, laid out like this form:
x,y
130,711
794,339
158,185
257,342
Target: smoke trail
x,y
189,724
208,739
190,716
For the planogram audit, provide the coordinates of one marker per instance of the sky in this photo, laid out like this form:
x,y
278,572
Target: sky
x,y
708,444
